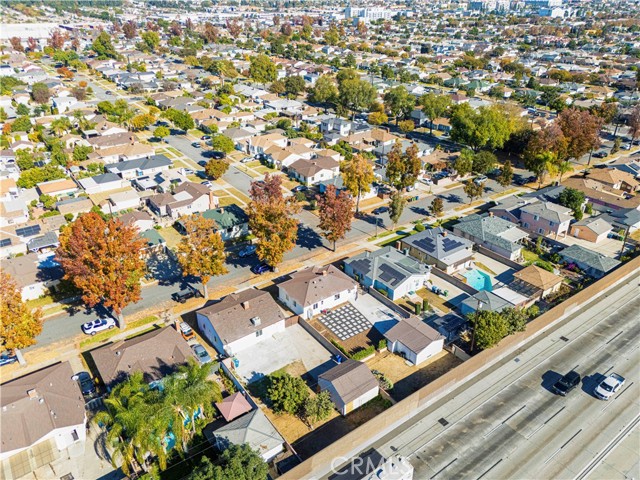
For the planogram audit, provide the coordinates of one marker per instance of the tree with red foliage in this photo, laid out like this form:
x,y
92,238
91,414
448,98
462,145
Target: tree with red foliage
x,y
130,30
32,44
102,259
335,211
56,40
234,28
581,129
16,44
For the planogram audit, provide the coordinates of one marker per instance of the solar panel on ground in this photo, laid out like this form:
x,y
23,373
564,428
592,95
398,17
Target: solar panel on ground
x,y
5,242
28,231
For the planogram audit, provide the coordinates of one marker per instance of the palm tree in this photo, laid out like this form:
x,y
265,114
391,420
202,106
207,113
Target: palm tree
x,y
61,125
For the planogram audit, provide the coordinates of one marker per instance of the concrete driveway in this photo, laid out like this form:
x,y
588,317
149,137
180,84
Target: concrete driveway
x,y
282,349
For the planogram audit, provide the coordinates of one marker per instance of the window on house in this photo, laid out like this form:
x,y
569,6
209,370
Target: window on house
x,y
259,333
74,436
541,231
551,224
315,306
525,225
536,217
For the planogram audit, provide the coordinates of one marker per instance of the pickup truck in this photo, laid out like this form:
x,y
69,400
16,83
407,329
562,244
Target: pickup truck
x,y
609,386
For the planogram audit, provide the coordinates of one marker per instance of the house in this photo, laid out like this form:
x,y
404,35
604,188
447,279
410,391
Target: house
x,y
102,183
140,219
240,320
615,179
253,429
492,233
57,188
46,242
350,385
156,354
140,167
438,247
154,242
414,340
13,212
74,206
546,218
230,221
311,172
187,198
484,300
592,229
600,194
592,263
117,202
42,412
314,289
388,270
34,280
233,406
535,282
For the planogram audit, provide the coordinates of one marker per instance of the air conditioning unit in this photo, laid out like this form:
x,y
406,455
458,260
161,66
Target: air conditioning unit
x,y
255,321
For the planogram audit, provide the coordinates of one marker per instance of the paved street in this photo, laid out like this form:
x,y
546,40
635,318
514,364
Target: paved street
x,y
510,425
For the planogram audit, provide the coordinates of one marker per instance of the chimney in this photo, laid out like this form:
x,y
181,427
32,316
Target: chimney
x,y
491,214
176,324
245,305
444,233
33,393
132,140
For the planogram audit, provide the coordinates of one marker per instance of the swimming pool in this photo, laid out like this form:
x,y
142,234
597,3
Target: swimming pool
x,y
478,279
48,262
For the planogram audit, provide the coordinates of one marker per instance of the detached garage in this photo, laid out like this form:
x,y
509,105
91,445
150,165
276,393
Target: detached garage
x,y
414,340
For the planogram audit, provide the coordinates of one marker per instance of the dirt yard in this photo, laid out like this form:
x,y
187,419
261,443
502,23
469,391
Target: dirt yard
x,y
409,378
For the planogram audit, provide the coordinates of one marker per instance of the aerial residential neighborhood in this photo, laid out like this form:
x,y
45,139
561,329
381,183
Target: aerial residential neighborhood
x,y
303,240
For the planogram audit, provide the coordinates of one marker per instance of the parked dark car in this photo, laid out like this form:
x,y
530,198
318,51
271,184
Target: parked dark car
x,y
380,210
203,163
567,383
601,154
299,188
261,268
87,387
183,295
218,155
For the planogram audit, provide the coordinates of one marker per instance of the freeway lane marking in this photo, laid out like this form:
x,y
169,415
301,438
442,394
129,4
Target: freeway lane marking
x,y
612,339
564,445
490,468
609,402
443,468
504,421
547,421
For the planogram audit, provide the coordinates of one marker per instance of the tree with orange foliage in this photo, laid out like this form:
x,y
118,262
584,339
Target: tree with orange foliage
x,y
335,213
102,259
19,325
65,72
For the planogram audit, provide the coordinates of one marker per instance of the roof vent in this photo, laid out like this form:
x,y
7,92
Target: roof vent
x,y
255,321
33,393
245,305
118,353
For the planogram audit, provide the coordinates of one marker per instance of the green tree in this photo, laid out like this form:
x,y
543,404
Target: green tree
x,y
356,95
20,324
318,408
294,84
516,319
21,124
180,119
22,109
464,163
489,328
396,206
573,199
483,162
434,107
215,168
357,174
201,251
150,41
473,190
277,87
399,102
161,132
262,69
403,168
378,118
324,91
103,47
287,393
542,164
487,127
30,178
331,36
506,175
238,462
61,125
437,206
222,143
40,93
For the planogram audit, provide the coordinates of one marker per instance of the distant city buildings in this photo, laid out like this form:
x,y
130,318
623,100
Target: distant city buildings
x,y
367,14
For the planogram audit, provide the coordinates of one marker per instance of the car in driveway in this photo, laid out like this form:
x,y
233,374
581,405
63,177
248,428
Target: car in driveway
x,y
261,268
609,386
86,384
186,331
202,163
299,188
380,210
201,353
247,251
246,160
567,383
7,358
98,325
205,137
207,184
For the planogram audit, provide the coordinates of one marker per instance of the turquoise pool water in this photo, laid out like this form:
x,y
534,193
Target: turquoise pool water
x,y
478,280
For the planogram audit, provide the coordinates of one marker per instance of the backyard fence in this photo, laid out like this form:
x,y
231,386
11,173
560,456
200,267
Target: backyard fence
x,y
465,287
499,258
318,336
389,303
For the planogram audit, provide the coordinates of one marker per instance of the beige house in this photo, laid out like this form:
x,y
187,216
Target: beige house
x,y
535,282
350,385
593,229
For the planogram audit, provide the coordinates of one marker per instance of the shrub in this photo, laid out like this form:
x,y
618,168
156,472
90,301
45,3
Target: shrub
x,y
300,196
418,308
364,353
544,265
419,227
382,344
340,347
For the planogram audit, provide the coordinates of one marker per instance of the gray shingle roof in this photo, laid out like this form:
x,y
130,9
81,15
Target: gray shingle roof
x,y
595,260
549,211
491,230
351,379
387,265
314,284
413,333
490,301
156,161
253,428
438,243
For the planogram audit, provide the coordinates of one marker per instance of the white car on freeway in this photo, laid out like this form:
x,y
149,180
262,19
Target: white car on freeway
x,y
609,386
98,325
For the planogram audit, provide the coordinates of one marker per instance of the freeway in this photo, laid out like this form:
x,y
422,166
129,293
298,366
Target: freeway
x,y
510,425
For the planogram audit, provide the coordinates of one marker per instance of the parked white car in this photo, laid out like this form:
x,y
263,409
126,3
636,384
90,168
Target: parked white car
x,y
98,325
609,386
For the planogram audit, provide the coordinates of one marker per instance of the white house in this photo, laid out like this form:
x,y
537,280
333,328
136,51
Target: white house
x,y
314,289
117,202
316,170
350,385
41,410
241,320
102,183
414,340
33,281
